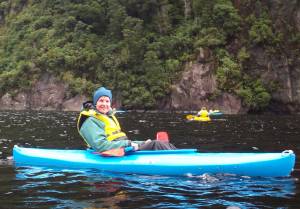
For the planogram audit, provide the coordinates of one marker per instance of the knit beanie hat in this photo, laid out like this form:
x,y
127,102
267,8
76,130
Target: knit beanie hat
x,y
102,91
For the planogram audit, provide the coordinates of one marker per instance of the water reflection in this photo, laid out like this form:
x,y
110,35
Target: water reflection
x,y
92,188
68,189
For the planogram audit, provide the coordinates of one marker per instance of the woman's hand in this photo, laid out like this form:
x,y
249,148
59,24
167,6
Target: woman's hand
x,y
135,146
148,141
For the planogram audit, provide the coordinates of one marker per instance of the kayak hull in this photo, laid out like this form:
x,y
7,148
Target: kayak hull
x,y
197,118
164,162
212,114
202,119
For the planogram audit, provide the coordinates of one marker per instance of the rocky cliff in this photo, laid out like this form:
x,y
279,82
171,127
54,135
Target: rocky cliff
x,y
197,88
198,82
47,94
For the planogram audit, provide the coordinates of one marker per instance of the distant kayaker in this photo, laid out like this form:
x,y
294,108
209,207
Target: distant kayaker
x,y
203,113
101,130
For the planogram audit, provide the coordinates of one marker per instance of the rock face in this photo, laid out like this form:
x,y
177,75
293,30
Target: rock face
x,y
287,78
282,68
197,88
47,94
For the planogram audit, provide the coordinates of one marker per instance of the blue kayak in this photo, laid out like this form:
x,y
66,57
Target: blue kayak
x,y
164,162
215,113
120,111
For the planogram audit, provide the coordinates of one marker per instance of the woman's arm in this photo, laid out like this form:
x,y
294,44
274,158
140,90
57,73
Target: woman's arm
x,y
93,132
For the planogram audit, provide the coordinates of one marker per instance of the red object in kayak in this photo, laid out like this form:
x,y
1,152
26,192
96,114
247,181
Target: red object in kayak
x,y
162,136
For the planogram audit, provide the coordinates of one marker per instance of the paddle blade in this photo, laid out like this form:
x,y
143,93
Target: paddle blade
x,y
162,136
119,152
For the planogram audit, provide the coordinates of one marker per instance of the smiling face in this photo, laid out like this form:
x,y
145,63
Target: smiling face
x,y
103,104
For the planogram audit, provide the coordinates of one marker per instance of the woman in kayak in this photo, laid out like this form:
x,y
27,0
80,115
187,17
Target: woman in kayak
x,y
203,113
101,130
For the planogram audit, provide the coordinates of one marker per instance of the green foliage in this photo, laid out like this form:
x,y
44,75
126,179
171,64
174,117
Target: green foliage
x,y
210,37
137,48
22,77
134,42
172,66
219,14
243,55
78,85
231,79
202,10
228,74
142,98
261,31
226,17
8,80
254,94
4,7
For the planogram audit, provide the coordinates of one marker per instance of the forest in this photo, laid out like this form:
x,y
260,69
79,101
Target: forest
x,y
137,48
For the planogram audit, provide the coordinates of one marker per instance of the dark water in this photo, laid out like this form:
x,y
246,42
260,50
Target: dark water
x,y
34,187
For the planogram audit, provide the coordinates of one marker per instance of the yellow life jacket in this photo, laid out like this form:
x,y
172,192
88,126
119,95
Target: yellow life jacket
x,y
112,127
203,113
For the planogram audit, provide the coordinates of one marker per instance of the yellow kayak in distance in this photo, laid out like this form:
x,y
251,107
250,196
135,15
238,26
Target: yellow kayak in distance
x,y
197,118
